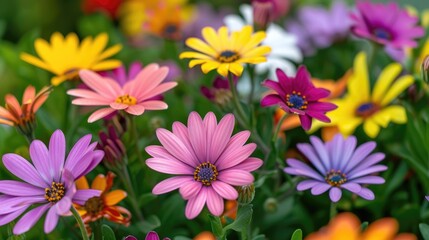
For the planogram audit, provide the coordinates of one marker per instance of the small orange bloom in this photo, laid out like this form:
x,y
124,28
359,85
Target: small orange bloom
x,y
103,206
206,235
230,211
347,224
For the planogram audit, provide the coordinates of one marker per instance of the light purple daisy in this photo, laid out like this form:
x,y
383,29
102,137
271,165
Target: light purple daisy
x,y
386,24
48,182
298,95
338,164
207,159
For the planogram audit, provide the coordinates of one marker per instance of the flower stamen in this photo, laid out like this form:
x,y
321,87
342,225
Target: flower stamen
x,y
367,109
126,99
335,178
55,193
228,56
206,173
296,100
94,206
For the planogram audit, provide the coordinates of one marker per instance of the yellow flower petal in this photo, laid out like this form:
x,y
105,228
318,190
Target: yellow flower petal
x,y
110,52
195,62
114,197
223,69
106,65
236,69
253,60
211,37
358,84
397,88
82,183
243,38
254,41
201,46
209,65
257,52
194,55
99,182
224,38
34,61
394,113
55,81
384,81
371,128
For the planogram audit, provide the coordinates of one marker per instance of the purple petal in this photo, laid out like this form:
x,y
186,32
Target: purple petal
x,y
366,194
15,188
309,152
271,99
152,236
40,156
236,177
367,162
321,106
352,187
7,218
348,150
305,122
221,135
302,79
78,150
98,156
315,94
180,132
51,220
214,202
300,168
284,81
82,195
361,152
306,184
190,189
335,194
225,190
10,204
197,136
370,170
29,219
427,198
21,168
196,204
274,86
62,207
68,180
336,151
171,184
369,180
320,188
321,151
57,151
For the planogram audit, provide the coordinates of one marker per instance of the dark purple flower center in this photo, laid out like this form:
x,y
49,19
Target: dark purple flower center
x,y
335,178
367,109
94,206
55,193
228,56
382,33
206,173
170,29
296,100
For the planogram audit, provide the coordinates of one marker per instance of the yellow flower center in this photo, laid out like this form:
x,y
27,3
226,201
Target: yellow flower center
x,y
94,206
228,56
296,100
367,109
206,173
126,99
55,193
335,178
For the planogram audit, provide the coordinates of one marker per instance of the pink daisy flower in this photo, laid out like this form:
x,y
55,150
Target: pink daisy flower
x,y
134,97
207,159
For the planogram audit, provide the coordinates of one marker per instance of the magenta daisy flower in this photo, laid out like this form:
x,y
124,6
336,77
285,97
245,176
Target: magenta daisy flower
x,y
299,96
135,97
207,159
338,164
48,182
386,24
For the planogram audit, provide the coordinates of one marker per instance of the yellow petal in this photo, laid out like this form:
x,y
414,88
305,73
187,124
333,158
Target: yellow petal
x,y
397,88
257,52
201,46
211,37
99,182
236,69
223,38
209,65
114,197
55,81
223,69
106,65
358,84
254,41
82,183
384,81
35,61
371,128
194,55
110,52
394,113
243,38
253,60
195,62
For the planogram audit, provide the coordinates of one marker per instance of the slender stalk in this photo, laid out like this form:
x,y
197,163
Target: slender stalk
x,y
279,124
80,223
252,84
97,230
135,139
126,180
333,210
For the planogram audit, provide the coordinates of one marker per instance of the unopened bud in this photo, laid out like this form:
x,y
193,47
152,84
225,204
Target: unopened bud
x,y
271,205
246,194
263,12
156,122
425,69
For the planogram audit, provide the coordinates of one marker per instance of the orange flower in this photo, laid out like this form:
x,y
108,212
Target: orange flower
x,y
103,206
23,116
230,210
347,224
206,235
336,88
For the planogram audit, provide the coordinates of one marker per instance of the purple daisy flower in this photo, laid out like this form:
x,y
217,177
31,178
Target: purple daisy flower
x,y
150,236
338,165
386,24
48,182
207,159
299,96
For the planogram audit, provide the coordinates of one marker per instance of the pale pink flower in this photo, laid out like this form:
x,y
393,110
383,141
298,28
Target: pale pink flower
x,y
134,97
207,159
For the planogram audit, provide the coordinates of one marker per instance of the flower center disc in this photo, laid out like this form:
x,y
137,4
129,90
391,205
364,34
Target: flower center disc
x,y
94,205
296,100
55,193
382,34
335,178
126,99
228,56
367,109
206,173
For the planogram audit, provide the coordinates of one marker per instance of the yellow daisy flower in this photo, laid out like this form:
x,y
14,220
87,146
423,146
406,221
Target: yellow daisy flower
x,y
373,110
226,52
65,57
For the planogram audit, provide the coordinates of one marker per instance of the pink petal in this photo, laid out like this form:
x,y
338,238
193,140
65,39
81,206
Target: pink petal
x,y
118,106
90,102
149,82
214,202
190,189
210,124
180,131
220,138
236,141
171,184
176,147
85,93
236,177
21,168
197,136
104,86
250,164
29,219
51,220
233,158
159,90
196,204
101,113
57,152
161,152
225,190
135,110
169,166
305,122
154,105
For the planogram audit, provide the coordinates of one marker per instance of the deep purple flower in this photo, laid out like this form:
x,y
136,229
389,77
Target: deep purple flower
x,y
150,236
220,92
114,149
338,164
386,24
299,96
48,182
317,27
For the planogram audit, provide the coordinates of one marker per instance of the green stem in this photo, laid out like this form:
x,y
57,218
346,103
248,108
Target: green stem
x,y
126,180
97,230
252,84
279,124
333,210
80,223
135,139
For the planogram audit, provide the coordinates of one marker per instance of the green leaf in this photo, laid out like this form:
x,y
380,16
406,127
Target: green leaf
x,y
424,230
181,238
297,235
363,226
244,216
107,232
216,225
259,237
149,224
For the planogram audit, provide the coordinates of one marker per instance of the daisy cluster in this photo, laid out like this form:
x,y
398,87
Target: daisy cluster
x,y
272,119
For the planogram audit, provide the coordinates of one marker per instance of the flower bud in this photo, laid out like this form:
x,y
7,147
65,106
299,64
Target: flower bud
x,y
246,194
425,69
266,11
114,149
271,205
